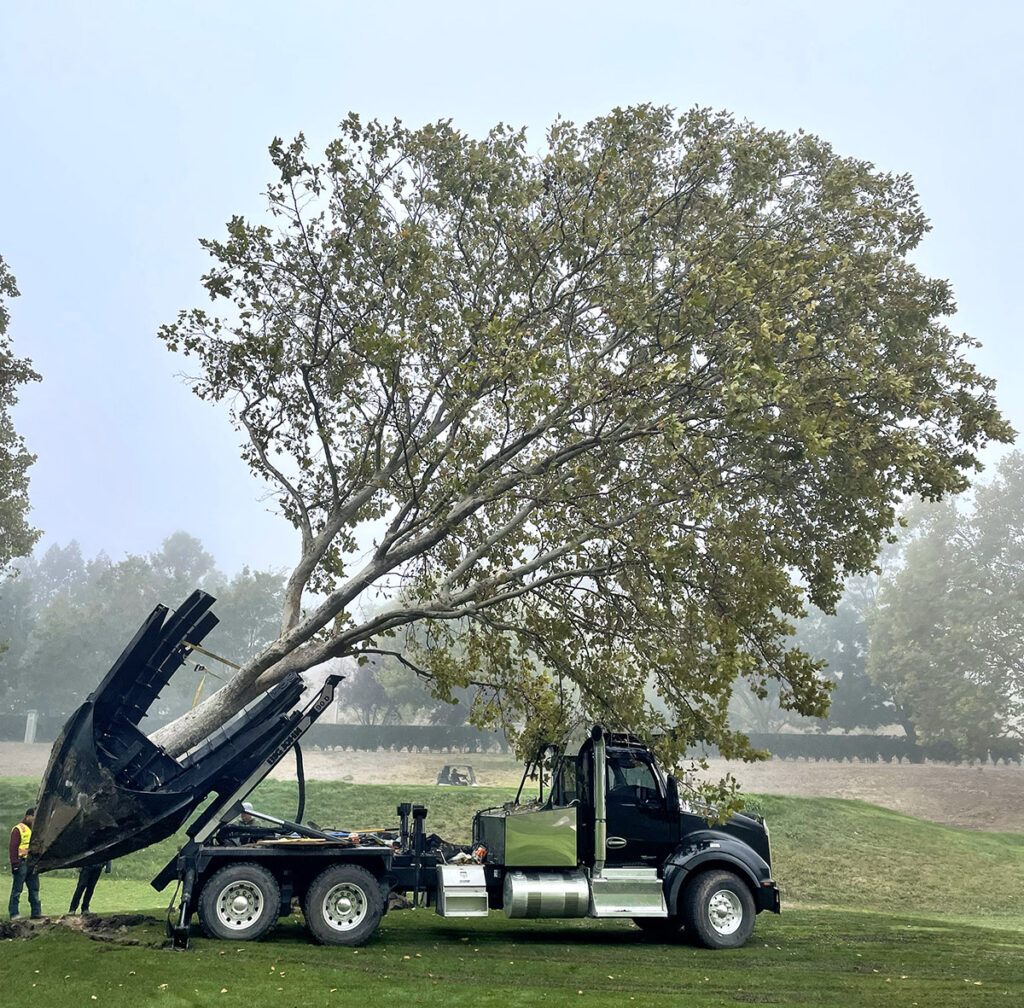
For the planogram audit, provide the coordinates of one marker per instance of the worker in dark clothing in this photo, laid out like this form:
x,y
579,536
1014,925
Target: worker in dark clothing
x,y
88,876
23,878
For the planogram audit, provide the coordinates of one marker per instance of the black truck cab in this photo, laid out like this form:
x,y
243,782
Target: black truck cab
x,y
614,838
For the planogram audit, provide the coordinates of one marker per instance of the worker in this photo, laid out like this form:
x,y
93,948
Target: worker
x,y
23,878
88,876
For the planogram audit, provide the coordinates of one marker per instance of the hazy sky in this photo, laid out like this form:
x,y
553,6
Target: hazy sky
x,y
131,129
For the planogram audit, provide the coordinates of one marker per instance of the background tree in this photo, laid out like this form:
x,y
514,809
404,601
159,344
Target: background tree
x,y
602,418
921,638
417,696
68,619
80,631
761,712
249,609
60,573
946,637
365,693
17,617
841,640
996,583
16,535
182,565
34,585
383,687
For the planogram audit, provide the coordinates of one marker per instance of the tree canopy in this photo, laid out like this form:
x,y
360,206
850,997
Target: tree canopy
x,y
16,535
601,418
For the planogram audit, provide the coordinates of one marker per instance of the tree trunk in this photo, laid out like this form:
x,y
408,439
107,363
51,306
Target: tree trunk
x,y
197,724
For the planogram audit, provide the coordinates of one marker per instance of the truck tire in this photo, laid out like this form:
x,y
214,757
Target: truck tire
x,y
660,928
343,906
718,910
239,902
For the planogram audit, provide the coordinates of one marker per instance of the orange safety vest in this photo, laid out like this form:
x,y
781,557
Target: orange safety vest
x,y
26,835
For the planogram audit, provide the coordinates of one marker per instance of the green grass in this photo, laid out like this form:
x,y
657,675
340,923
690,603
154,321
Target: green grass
x,y
836,852
821,958
879,909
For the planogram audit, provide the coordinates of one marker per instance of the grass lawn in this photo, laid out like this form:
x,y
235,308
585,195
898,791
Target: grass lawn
x,y
879,909
806,957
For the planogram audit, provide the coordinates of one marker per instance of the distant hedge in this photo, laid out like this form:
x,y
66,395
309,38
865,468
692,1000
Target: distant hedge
x,y
464,739
412,738
881,749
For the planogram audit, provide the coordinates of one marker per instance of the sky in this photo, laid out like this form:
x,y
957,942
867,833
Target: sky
x,y
129,130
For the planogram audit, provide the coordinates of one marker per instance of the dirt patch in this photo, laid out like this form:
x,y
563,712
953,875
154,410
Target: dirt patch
x,y
982,797
114,928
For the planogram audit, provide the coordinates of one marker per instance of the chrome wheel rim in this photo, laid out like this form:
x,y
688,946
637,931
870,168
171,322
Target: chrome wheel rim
x,y
239,905
344,906
725,912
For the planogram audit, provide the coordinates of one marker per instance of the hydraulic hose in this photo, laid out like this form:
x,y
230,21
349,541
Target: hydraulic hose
x,y
302,783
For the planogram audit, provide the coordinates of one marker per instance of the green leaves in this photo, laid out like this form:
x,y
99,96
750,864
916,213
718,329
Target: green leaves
x,y
16,535
611,413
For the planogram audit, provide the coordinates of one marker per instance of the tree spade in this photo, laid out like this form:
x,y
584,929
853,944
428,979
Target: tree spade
x,y
600,418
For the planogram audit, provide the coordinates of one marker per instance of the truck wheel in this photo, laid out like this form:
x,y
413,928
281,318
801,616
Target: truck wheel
x,y
240,902
660,928
718,910
343,906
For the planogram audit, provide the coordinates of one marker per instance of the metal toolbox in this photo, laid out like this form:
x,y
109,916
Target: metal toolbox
x,y
461,891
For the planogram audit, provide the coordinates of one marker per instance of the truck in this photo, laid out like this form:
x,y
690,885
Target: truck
x,y
607,834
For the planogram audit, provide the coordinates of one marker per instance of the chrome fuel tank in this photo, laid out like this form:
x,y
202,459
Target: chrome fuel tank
x,y
546,894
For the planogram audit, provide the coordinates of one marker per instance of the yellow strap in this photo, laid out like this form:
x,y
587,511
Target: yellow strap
x,y
206,671
195,699
210,654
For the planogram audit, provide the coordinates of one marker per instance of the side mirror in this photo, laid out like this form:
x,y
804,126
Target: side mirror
x,y
672,794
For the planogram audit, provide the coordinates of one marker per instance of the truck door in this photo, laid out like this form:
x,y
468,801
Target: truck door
x,y
572,785
641,829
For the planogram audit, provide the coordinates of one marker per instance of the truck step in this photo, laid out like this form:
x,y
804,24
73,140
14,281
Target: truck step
x,y
627,892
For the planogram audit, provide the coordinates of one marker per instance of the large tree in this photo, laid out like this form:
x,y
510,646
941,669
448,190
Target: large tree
x,y
602,418
16,535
